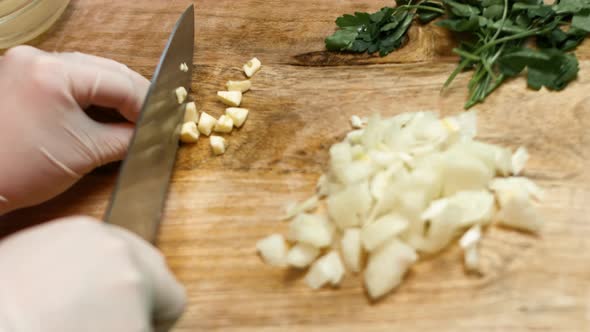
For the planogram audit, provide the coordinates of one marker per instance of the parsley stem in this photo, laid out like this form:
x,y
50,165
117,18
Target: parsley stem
x,y
466,54
460,67
521,35
504,15
428,8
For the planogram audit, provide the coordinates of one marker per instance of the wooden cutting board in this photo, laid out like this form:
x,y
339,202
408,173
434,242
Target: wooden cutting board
x,y
300,104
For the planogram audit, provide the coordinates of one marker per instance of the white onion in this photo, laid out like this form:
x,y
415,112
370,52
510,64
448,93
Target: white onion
x,y
387,266
383,229
327,269
305,206
273,250
407,184
519,160
349,207
350,245
302,255
310,229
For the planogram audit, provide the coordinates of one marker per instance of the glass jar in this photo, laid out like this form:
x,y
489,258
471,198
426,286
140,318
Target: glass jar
x,y
23,20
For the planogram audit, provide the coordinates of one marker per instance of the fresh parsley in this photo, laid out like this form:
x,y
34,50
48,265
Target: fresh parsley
x,y
493,37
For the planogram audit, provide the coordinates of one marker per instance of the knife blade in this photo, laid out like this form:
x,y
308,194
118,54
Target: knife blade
x,y
142,186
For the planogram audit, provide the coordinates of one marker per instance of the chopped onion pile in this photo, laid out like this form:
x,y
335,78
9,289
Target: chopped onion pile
x,y
400,187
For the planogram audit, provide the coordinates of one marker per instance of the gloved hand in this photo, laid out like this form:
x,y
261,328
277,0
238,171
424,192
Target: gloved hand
x,y
80,274
48,142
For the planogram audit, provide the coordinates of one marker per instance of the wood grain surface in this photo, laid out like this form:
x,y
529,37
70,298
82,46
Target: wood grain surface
x,y
301,101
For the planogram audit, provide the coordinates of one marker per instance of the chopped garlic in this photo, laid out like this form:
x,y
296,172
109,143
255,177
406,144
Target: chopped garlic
x,y
385,228
184,67
308,205
181,94
238,115
206,124
327,269
387,266
312,229
224,124
519,160
190,113
302,255
351,247
241,86
230,98
252,66
189,133
218,144
356,122
273,250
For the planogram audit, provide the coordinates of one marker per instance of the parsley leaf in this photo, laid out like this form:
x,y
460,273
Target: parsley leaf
x,y
493,38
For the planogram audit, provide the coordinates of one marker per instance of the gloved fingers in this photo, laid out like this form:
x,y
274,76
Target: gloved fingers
x,y
94,85
169,296
108,64
109,141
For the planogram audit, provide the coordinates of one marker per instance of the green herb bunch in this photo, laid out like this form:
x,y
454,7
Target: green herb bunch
x,y
493,36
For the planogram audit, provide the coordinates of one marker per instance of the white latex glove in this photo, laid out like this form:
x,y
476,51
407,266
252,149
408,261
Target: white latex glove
x,y
80,274
48,142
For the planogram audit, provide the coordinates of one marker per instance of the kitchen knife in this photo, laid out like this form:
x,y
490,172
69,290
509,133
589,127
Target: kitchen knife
x,y
140,193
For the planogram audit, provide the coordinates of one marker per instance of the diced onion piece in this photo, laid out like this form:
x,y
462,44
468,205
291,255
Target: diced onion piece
x,y
252,66
512,183
356,122
184,67
218,144
181,94
379,184
471,258
327,269
356,171
383,229
224,124
302,255
497,158
189,133
350,244
206,124
241,86
517,210
467,123
312,229
340,155
230,98
306,206
519,160
387,266
349,207
476,207
471,237
273,250
358,152
238,115
190,113
464,172
355,136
